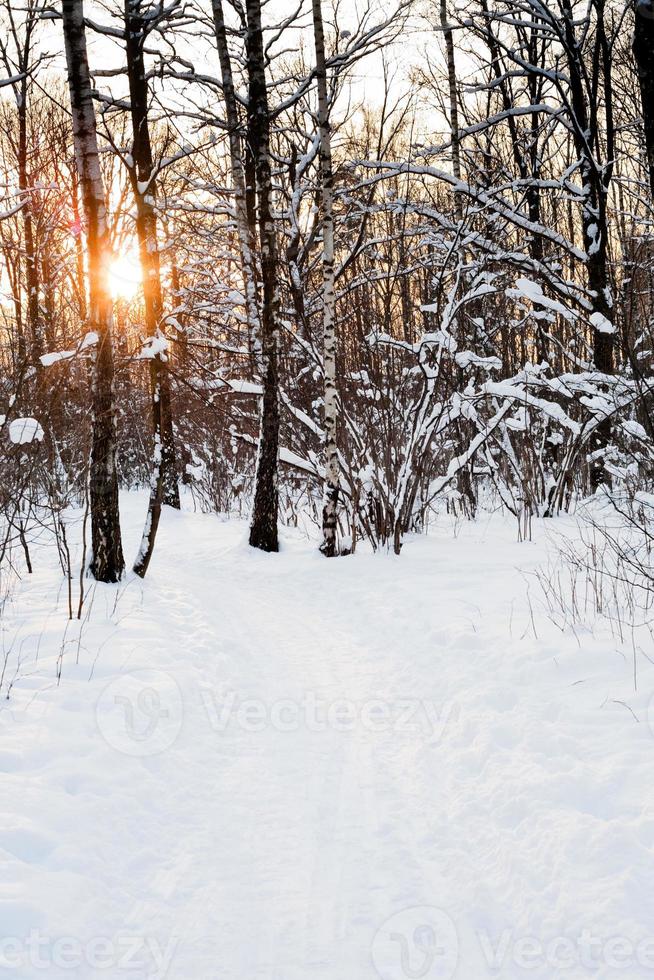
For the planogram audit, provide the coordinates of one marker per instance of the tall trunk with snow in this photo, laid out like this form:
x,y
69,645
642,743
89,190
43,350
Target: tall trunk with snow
x,y
107,563
244,229
595,181
528,162
31,261
145,195
20,28
448,34
163,478
332,476
644,54
263,526
464,478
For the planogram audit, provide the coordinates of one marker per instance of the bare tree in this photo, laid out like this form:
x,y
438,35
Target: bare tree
x,y
644,54
107,562
332,481
21,62
245,218
263,527
163,481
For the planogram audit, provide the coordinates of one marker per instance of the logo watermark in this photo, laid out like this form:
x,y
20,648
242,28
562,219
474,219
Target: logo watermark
x,y
419,943
141,713
422,943
123,954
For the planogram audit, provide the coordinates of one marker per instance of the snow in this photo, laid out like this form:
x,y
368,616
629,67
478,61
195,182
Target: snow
x,y
282,767
47,360
599,321
243,386
533,291
634,429
24,431
153,347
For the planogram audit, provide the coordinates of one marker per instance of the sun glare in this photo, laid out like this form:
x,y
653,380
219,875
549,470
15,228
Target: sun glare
x,y
124,277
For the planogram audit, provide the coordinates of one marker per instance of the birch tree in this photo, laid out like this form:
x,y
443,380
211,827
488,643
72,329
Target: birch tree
x,y
331,491
107,562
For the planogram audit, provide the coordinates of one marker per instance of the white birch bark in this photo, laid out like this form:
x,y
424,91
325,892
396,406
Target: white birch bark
x,y
332,475
107,562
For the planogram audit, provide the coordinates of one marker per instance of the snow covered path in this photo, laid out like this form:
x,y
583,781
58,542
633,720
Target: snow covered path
x,y
279,768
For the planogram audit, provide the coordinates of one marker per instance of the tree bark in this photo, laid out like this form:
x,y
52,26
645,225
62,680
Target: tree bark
x,y
595,180
245,228
107,563
24,65
332,475
263,526
644,53
145,195
163,478
448,34
31,262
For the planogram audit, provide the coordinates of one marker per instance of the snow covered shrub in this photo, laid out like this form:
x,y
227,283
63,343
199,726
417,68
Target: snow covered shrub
x,y
605,570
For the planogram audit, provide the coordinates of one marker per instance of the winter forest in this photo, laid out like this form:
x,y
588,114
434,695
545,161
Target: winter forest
x,y
326,489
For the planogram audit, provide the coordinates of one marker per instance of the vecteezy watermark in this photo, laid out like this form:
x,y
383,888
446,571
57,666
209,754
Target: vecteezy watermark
x,y
401,716
587,951
124,954
140,713
419,943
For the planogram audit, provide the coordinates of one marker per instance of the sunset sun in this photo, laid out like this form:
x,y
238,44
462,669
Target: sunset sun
x,y
124,276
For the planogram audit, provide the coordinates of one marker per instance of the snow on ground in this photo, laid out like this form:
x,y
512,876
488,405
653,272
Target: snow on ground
x,y
277,767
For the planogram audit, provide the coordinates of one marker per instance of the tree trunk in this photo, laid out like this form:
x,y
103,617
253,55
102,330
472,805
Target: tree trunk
x,y
22,93
31,266
448,34
332,476
107,563
595,181
644,54
163,461
244,229
263,527
145,193
464,479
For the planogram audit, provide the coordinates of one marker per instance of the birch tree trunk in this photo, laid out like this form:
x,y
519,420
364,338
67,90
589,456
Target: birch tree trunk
x,y
332,475
107,563
163,478
244,228
263,526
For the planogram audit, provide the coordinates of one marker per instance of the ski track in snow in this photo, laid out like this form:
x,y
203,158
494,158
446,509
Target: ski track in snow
x,y
523,809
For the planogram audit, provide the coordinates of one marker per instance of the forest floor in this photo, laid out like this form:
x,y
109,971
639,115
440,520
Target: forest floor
x,y
277,767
